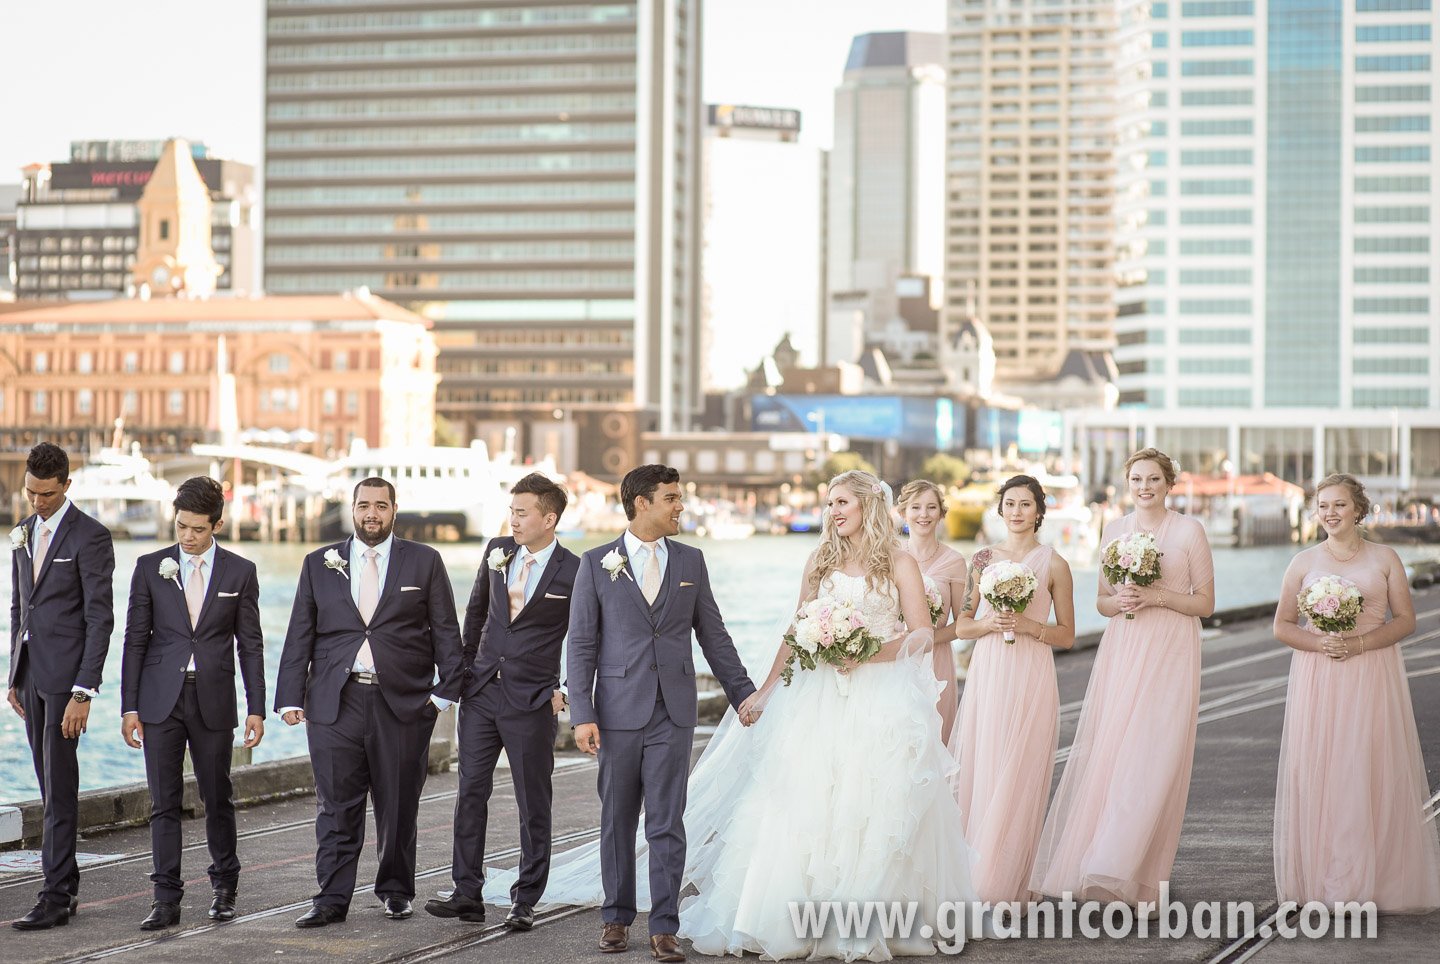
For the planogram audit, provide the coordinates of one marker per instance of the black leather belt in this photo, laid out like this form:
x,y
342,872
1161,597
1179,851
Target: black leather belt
x,y
369,679
189,676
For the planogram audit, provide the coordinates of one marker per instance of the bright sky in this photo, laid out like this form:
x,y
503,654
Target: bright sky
x,y
98,70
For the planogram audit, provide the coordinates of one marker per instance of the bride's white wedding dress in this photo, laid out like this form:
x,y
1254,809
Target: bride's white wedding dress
x,y
830,796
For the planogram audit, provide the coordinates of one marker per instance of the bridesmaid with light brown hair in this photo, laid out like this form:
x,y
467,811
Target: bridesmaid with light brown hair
x,y
1350,795
923,506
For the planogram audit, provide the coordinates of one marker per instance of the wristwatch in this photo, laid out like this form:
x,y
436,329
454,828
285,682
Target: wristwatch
x,y
80,697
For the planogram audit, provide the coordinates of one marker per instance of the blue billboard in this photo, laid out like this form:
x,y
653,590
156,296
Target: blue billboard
x,y
914,422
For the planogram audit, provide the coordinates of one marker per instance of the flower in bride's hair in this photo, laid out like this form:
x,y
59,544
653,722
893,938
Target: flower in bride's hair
x,y
876,488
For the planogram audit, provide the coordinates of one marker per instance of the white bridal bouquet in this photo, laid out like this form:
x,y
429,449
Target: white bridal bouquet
x,y
1009,587
1331,603
933,600
1131,559
831,632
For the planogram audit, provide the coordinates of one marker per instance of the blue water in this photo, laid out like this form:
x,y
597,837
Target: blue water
x,y
756,584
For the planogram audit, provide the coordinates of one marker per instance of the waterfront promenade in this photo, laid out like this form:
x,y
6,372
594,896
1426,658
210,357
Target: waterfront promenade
x,y
1224,854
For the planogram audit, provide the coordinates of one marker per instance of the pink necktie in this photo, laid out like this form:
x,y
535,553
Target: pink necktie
x,y
41,545
195,590
517,588
369,599
650,581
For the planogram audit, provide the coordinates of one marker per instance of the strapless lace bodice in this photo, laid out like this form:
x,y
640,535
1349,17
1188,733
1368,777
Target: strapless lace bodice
x,y
882,610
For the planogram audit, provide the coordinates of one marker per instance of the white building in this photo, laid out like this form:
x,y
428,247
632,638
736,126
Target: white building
x,y
761,260
886,177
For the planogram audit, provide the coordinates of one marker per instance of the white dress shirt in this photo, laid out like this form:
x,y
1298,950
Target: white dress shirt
x,y
640,556
542,559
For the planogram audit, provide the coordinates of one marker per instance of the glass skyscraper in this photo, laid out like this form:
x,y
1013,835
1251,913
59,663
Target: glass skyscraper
x,y
526,175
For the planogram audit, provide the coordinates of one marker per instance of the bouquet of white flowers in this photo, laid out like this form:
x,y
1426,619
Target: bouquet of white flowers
x,y
831,632
933,600
1331,603
1133,558
1009,587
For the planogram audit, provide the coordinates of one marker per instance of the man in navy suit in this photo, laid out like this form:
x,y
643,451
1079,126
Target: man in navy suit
x,y
61,615
517,617
632,679
374,618
193,606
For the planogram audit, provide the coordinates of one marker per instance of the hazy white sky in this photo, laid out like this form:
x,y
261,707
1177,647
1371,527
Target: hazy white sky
x,y
99,70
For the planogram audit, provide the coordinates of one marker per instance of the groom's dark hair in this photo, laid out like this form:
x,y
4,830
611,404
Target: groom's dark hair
x,y
643,480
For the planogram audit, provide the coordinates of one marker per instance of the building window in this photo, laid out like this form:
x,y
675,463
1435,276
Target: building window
x,y
327,401
84,362
164,229
42,362
279,364
39,402
132,362
177,402
342,361
177,362
84,401
352,403
131,404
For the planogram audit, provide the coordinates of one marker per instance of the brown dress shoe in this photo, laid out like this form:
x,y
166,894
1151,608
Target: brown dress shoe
x,y
614,938
664,947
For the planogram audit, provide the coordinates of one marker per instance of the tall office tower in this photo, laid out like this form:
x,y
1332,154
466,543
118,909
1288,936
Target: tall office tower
x,y
763,257
524,174
886,183
1276,208
1031,170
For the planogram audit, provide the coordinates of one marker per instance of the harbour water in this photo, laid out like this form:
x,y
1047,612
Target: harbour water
x,y
756,583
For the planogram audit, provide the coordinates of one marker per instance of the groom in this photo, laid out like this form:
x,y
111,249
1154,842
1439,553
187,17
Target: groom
x,y
632,687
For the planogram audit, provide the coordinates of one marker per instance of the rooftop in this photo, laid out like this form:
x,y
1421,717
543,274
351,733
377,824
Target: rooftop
x,y
349,306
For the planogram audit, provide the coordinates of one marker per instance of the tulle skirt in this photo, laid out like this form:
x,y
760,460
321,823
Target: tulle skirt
x,y
1351,786
1008,731
1115,824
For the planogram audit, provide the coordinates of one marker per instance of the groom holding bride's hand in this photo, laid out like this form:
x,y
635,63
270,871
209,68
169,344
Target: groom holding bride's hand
x,y
632,689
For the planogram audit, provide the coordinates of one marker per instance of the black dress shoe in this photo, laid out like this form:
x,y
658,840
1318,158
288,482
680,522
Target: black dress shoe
x,y
163,914
222,907
457,905
320,915
44,916
398,908
521,916
74,905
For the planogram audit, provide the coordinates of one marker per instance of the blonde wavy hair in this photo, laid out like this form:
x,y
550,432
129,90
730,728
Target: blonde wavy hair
x,y
877,536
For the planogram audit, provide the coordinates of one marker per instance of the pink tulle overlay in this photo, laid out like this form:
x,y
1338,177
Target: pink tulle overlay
x,y
947,570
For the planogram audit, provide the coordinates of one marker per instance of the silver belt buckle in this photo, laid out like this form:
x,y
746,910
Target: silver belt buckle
x,y
369,679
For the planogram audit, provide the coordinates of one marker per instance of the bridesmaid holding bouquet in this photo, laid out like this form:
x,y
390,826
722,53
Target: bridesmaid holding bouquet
x,y
943,568
1115,823
1009,716
1349,799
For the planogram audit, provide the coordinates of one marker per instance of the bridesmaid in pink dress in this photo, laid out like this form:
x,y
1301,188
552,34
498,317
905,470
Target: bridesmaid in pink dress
x,y
1350,796
1009,715
1115,823
923,506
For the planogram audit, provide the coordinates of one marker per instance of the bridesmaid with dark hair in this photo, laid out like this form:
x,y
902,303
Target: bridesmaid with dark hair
x,y
1115,823
923,506
1350,795
1009,716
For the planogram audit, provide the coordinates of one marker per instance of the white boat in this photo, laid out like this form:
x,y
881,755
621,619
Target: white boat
x,y
119,489
441,487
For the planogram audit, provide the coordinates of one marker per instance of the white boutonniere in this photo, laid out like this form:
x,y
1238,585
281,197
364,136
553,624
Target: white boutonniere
x,y
499,559
614,564
19,539
333,560
170,569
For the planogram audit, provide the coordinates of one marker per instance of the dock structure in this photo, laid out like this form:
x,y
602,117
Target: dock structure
x,y
1225,854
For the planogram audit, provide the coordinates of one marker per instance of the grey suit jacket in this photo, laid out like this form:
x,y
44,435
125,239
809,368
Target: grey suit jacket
x,y
622,653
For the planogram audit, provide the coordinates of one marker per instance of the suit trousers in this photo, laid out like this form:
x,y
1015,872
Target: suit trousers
x,y
58,771
367,751
210,751
649,767
488,724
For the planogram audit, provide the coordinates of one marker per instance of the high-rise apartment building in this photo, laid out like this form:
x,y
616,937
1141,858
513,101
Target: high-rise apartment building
x,y
524,174
1030,179
886,183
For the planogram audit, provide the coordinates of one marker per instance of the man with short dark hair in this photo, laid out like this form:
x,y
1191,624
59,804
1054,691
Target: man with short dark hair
x,y
373,621
193,607
515,626
61,616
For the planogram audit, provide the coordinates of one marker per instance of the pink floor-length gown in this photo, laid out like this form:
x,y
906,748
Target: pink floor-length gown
x,y
947,570
1005,742
1349,795
1115,824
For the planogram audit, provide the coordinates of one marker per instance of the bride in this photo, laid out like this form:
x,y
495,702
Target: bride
x,y
837,793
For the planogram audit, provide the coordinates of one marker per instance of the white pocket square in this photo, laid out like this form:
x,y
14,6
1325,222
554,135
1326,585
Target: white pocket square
x,y
227,595
551,595
409,588
71,559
